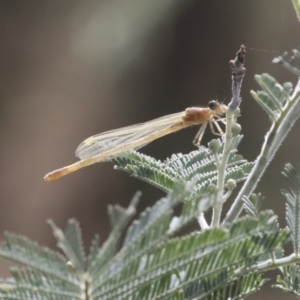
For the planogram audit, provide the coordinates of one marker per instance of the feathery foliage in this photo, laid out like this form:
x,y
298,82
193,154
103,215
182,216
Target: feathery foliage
x,y
292,63
197,167
235,289
252,205
273,97
199,264
293,204
282,104
290,281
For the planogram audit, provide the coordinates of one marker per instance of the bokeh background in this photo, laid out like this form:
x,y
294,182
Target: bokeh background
x,y
72,69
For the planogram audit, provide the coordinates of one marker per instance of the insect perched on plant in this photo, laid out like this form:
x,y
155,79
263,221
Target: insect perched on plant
x,y
103,146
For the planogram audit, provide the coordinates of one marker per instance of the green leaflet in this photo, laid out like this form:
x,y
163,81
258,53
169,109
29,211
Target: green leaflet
x,y
235,289
290,62
273,97
290,281
197,167
292,197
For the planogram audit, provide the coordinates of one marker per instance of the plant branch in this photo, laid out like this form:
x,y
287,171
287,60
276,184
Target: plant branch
x,y
273,139
269,264
202,222
238,73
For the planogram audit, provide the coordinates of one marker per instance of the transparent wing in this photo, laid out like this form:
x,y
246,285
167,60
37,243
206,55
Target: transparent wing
x,y
128,138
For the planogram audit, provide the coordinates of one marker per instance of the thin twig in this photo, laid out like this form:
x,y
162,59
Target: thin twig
x,y
238,72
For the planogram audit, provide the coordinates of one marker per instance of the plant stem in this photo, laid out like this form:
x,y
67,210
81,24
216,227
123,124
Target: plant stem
x,y
202,222
238,72
270,264
221,166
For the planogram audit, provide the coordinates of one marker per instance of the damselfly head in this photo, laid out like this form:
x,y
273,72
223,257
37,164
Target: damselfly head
x,y
218,108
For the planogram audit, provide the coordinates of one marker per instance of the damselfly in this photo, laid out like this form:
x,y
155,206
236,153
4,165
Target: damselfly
x,y
105,145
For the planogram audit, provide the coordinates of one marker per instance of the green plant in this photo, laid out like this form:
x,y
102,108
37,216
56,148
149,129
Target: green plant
x,y
223,260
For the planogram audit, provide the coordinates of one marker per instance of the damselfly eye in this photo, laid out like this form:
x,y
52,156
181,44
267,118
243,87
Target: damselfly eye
x,y
213,105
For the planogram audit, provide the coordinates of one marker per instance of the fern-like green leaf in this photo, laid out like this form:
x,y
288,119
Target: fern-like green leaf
x,y
119,219
44,287
192,208
202,264
155,261
290,282
71,244
292,63
48,275
192,259
141,236
94,250
197,167
252,205
154,177
240,172
147,169
293,204
273,97
73,235
238,288
21,250
153,226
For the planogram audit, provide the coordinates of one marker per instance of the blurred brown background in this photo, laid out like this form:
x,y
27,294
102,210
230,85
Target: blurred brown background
x,y
76,68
